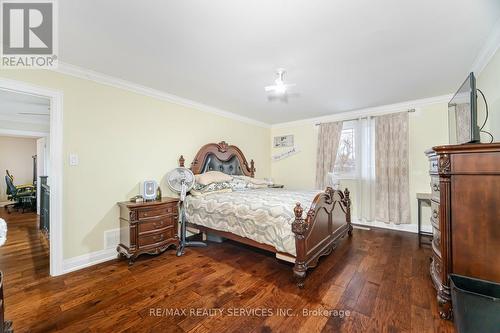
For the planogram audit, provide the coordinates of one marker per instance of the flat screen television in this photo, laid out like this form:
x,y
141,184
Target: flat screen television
x,y
462,114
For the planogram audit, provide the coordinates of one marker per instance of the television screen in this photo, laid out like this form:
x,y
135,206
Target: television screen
x,y
462,114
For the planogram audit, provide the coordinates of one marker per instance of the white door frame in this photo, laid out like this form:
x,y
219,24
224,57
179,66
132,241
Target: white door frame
x,y
56,165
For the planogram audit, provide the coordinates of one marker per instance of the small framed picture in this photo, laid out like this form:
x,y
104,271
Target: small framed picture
x,y
283,141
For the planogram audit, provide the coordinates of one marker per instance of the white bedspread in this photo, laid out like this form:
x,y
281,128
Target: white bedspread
x,y
263,215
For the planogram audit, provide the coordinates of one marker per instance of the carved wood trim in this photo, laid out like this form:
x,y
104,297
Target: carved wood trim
x,y
444,167
309,254
223,152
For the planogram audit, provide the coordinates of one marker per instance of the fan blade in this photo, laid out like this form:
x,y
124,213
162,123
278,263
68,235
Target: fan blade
x,y
270,88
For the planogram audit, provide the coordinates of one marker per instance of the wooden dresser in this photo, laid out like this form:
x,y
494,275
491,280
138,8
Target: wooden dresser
x,y
465,218
147,227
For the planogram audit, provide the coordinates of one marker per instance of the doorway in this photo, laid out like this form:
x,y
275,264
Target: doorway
x,y
48,144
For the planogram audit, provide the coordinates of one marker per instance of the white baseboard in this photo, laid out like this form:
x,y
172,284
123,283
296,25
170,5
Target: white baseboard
x,y
398,227
88,259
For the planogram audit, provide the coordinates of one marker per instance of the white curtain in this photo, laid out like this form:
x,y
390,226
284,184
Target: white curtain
x,y
391,168
328,144
366,170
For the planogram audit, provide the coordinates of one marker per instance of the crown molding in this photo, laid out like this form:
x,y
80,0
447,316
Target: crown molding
x,y
488,50
87,74
373,111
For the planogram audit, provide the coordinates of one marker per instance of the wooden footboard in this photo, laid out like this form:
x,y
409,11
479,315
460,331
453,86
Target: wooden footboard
x,y
327,221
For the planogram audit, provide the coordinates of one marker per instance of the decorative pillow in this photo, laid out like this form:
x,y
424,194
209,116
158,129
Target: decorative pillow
x,y
238,184
254,186
199,194
212,177
256,181
220,187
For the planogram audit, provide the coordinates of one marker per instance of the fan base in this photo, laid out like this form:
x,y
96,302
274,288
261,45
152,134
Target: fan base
x,y
182,245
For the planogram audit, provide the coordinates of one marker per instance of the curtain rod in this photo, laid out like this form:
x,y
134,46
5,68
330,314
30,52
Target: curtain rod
x,y
317,124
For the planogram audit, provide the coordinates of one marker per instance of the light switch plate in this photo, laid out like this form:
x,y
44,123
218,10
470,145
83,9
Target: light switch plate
x,y
73,159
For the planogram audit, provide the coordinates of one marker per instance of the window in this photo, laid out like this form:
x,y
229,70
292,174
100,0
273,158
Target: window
x,y
345,163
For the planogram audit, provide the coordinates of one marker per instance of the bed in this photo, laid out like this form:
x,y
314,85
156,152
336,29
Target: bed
x,y
268,218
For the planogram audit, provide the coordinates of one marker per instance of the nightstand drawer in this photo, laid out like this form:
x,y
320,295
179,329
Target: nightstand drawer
x,y
157,224
155,212
156,238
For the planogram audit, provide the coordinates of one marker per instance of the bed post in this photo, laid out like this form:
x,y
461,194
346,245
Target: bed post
x,y
252,168
299,228
347,203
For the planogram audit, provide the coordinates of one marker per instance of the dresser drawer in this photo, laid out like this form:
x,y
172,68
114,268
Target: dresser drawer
x,y
155,212
435,215
436,268
435,189
436,241
433,164
156,238
157,224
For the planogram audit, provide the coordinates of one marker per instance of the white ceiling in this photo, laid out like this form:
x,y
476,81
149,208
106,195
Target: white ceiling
x,y
342,54
14,106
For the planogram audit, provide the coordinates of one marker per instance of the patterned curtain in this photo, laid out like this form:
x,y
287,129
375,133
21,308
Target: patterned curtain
x,y
391,168
328,144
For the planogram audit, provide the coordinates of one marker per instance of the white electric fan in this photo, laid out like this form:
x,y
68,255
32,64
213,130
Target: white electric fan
x,y
181,180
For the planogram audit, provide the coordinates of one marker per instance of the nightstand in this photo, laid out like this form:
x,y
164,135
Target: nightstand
x,y
147,227
276,186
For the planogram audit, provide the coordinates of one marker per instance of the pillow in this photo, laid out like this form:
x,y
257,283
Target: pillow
x,y
238,184
251,180
220,187
199,193
212,177
255,186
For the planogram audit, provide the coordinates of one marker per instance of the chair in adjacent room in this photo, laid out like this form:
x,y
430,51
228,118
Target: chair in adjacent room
x,y
24,196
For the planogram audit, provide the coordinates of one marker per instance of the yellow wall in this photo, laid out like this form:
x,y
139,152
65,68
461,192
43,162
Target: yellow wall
x,y
123,138
489,82
16,156
427,126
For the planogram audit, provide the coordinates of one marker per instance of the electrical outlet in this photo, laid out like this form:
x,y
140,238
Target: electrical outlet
x,y
73,159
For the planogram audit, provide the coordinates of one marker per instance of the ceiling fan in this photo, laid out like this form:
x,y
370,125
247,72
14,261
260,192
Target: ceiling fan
x,y
279,87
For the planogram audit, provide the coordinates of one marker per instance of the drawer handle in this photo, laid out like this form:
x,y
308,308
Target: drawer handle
x,y
160,238
158,225
435,214
435,187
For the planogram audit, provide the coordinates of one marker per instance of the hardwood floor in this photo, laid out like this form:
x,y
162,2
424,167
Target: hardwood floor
x,y
380,277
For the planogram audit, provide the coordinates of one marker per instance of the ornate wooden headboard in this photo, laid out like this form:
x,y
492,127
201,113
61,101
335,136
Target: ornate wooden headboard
x,y
221,157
